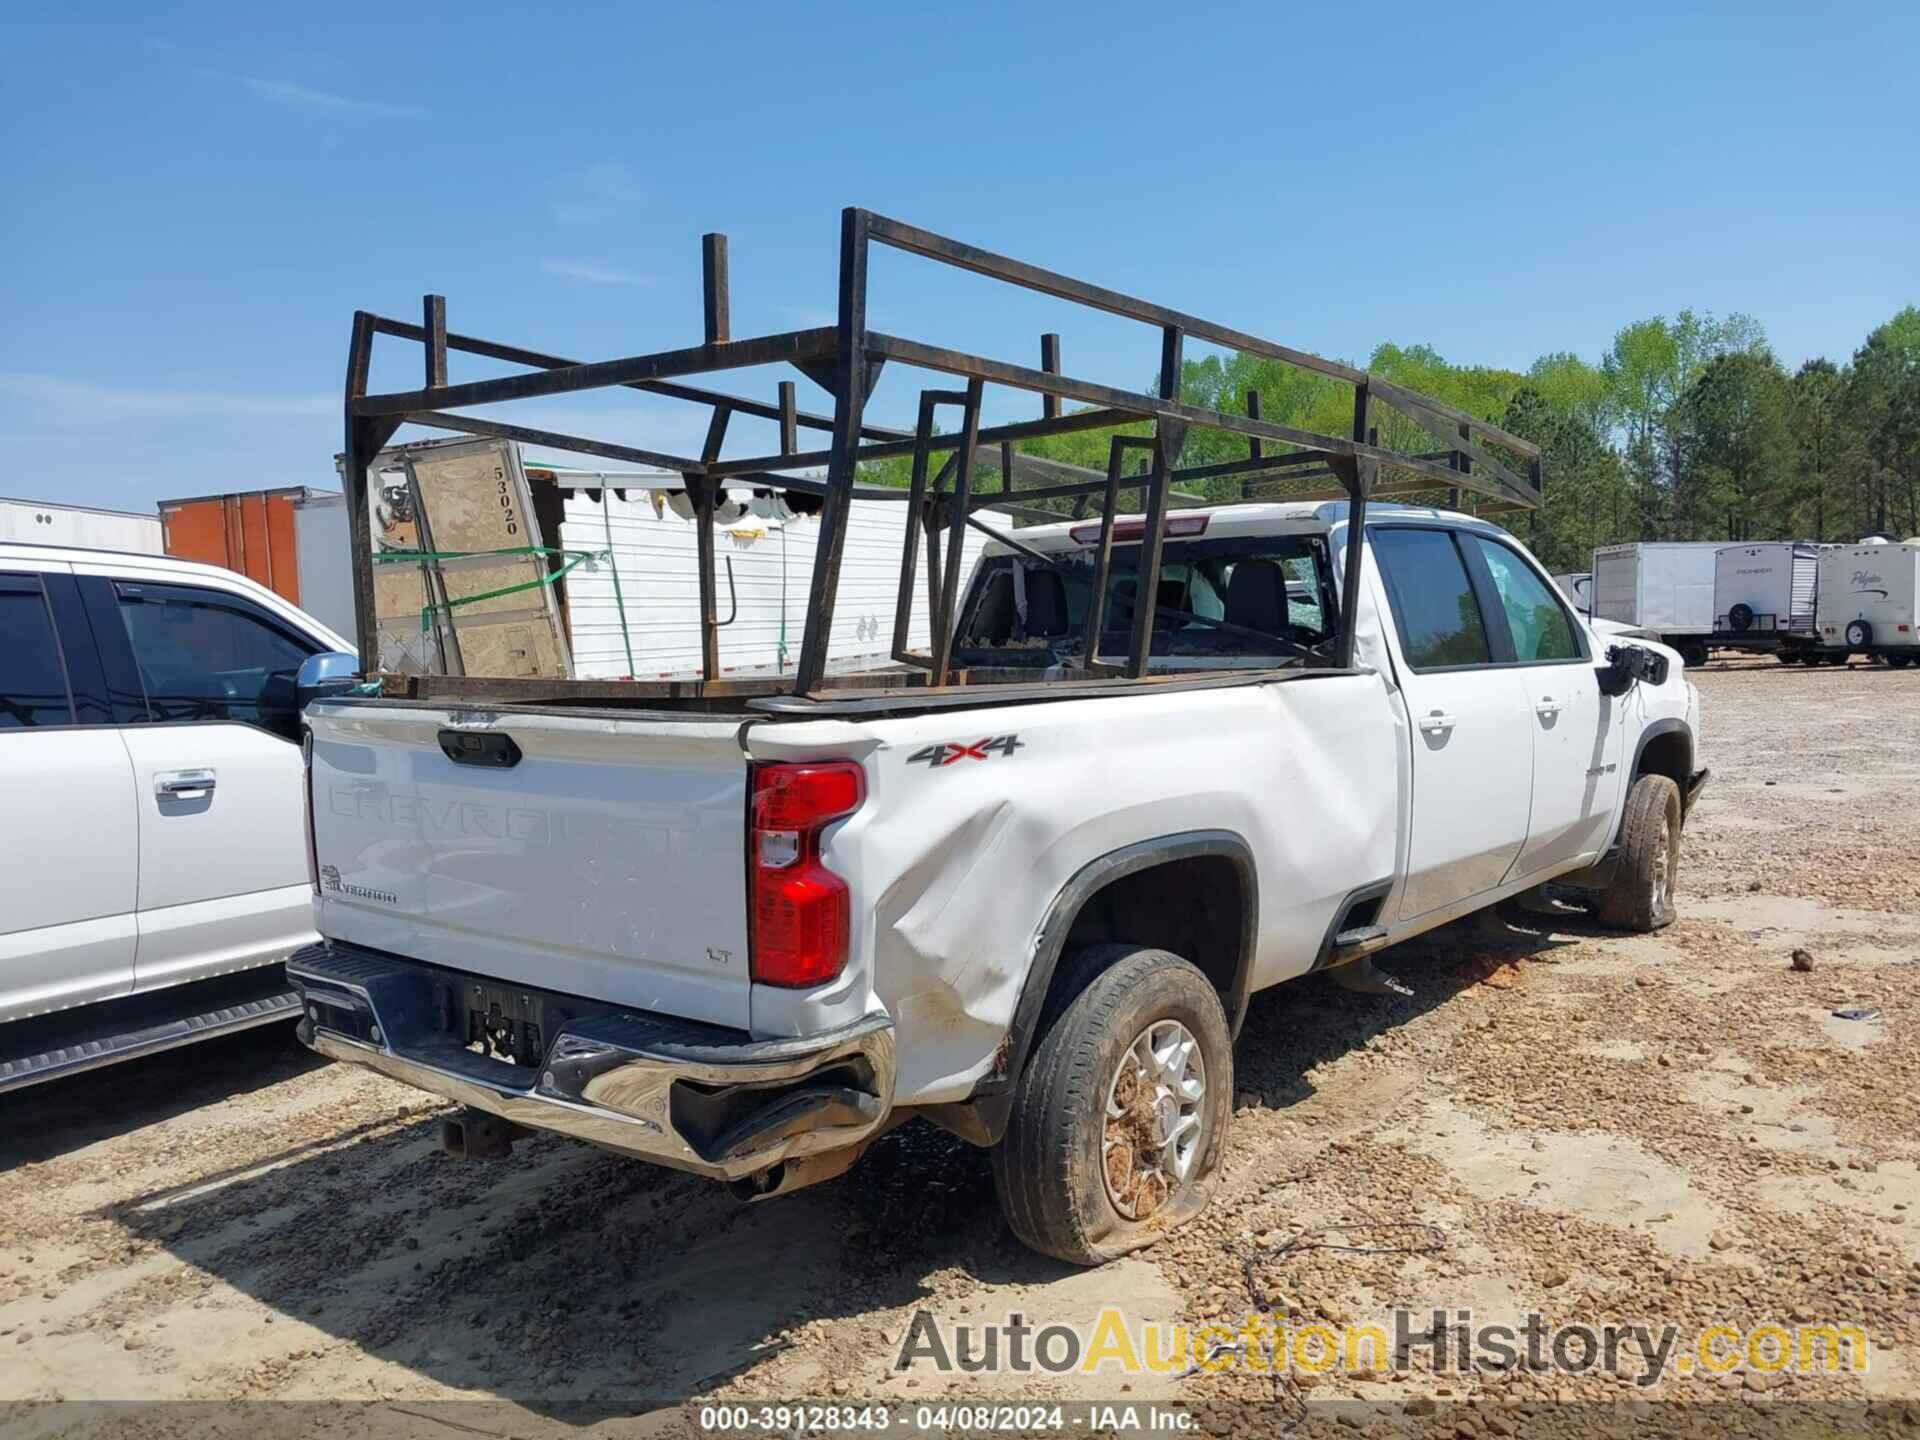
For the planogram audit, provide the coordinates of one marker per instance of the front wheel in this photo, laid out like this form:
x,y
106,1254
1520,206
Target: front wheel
x,y
1641,895
1120,1118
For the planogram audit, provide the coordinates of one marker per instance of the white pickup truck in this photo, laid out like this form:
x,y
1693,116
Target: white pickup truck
x,y
150,779
744,944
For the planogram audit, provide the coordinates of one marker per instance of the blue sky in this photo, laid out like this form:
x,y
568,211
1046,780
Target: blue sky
x,y
198,197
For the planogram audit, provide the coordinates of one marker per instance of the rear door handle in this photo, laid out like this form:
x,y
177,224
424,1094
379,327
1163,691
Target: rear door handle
x,y
1547,706
1438,720
183,784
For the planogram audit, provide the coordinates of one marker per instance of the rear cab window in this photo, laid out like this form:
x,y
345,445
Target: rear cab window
x,y
33,675
1253,601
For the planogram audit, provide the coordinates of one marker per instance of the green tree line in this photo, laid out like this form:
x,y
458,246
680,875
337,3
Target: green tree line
x,y
1687,428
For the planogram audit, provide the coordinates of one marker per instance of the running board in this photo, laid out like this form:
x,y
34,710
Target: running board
x,y
1352,944
53,1047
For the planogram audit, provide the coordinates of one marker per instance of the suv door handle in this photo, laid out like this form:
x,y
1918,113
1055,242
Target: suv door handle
x,y
183,784
1437,720
1547,706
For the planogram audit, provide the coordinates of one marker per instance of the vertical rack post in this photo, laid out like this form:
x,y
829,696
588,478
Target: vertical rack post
x,y
1359,477
713,288
1255,447
1168,436
1103,552
362,441
930,523
849,403
910,535
702,489
957,510
1050,362
433,313
789,420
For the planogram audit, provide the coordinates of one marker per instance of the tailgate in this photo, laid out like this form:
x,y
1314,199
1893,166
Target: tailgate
x,y
589,854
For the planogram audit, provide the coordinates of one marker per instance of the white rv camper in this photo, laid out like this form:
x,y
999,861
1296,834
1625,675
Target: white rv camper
x,y
1763,596
86,527
1662,587
1867,602
1577,586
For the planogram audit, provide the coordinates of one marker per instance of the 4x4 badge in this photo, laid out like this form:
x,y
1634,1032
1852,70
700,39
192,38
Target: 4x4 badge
x,y
936,757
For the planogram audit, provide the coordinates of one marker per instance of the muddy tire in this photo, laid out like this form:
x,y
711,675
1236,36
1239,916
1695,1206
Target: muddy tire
x,y
1641,895
1120,1118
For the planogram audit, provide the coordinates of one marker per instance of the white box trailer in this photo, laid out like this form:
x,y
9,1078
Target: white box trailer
x,y
764,568
325,551
1663,587
1763,595
1867,602
37,522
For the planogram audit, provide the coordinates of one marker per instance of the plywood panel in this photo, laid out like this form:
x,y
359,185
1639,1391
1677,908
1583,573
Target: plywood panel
x,y
466,497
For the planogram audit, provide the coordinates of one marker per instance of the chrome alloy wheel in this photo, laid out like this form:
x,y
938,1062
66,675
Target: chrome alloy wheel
x,y
1154,1131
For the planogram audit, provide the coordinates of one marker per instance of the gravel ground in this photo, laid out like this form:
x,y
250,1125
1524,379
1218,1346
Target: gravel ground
x,y
1671,1127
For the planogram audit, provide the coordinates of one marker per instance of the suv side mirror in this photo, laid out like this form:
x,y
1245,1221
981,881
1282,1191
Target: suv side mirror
x,y
1628,663
331,672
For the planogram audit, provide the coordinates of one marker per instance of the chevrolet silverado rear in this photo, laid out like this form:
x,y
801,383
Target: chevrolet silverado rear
x,y
1020,882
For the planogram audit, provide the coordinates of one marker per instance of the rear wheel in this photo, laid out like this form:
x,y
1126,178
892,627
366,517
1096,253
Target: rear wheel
x,y
1899,662
1641,895
1120,1118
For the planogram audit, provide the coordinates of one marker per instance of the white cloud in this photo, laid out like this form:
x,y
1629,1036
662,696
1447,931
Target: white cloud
x,y
594,273
285,92
56,399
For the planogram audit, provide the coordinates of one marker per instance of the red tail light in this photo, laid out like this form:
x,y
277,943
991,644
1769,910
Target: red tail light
x,y
306,797
801,914
1125,530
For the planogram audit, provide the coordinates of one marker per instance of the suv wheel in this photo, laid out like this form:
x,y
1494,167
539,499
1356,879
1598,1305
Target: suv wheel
x,y
1120,1118
1641,895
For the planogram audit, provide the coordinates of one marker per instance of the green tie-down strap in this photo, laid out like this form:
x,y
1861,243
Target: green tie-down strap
x,y
546,577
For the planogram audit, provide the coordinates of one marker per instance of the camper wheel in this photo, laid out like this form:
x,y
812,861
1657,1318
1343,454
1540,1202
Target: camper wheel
x,y
1859,635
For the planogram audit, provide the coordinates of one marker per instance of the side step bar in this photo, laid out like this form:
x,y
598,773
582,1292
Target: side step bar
x,y
53,1047
1351,944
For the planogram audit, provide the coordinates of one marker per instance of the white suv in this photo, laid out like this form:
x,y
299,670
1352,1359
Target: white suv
x,y
151,779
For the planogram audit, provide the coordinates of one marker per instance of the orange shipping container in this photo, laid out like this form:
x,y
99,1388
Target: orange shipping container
x,y
252,533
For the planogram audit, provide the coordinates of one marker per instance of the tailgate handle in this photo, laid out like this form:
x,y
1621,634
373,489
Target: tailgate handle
x,y
490,748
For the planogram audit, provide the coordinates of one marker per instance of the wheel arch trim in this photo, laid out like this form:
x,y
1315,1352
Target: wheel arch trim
x,y
992,1095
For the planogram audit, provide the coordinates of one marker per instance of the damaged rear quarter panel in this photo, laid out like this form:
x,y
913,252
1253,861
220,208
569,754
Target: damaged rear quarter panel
x,y
953,867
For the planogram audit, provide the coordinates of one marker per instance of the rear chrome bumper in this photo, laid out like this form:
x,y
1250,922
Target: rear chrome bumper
x,y
693,1097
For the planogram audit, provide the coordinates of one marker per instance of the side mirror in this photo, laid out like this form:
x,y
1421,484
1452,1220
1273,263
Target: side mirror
x,y
1629,663
331,672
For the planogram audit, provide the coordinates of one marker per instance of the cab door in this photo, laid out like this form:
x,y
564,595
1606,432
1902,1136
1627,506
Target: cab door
x,y
1470,732
68,867
1576,730
217,777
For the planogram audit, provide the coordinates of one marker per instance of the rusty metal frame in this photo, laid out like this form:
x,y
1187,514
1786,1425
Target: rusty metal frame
x,y
847,359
